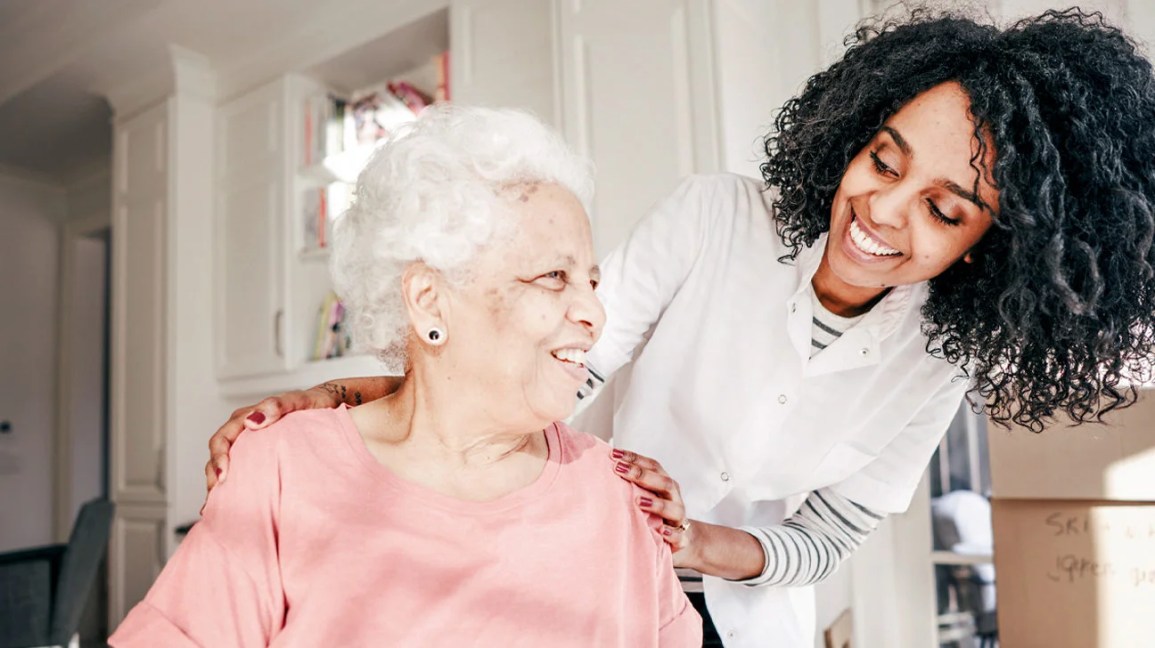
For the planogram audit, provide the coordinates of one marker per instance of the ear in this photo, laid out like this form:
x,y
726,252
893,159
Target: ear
x,y
423,290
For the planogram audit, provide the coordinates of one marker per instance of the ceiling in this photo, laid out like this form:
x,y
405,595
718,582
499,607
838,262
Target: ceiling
x,y
67,65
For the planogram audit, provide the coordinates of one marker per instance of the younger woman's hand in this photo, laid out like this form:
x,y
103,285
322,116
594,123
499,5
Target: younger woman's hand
x,y
663,500
256,417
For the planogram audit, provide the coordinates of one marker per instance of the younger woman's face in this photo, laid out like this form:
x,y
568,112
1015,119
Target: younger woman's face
x,y
906,209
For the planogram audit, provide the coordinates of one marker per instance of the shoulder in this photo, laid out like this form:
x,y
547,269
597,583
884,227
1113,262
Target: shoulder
x,y
591,459
724,193
293,434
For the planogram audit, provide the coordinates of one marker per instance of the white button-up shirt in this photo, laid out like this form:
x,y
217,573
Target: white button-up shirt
x,y
723,392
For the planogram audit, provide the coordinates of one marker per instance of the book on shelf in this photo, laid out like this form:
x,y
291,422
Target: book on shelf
x,y
325,118
331,340
442,63
314,219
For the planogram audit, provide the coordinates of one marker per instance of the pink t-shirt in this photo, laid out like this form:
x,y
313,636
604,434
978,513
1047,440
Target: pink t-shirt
x,y
312,542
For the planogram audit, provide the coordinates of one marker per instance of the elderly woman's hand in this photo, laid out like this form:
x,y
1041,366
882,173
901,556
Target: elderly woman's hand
x,y
255,417
665,500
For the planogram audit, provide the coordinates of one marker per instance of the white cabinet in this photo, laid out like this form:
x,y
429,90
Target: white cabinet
x,y
503,54
250,234
637,98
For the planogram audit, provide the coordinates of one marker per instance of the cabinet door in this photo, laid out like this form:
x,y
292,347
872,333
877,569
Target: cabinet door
x,y
137,554
503,55
638,99
250,245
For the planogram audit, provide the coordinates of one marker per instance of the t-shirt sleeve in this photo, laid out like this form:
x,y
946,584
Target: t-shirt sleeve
x,y
222,587
887,484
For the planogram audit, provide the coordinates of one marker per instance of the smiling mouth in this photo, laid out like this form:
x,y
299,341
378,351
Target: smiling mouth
x,y
571,356
866,243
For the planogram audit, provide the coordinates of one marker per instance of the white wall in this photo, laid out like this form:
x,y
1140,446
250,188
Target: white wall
x,y
86,330
28,313
85,246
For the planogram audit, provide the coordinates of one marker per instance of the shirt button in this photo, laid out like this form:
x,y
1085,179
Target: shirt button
x,y
782,398
864,351
793,307
730,634
725,476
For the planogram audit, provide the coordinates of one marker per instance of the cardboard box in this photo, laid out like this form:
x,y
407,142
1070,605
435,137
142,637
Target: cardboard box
x,y
1074,532
1075,574
1113,461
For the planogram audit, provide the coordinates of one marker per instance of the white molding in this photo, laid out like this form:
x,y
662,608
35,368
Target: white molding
x,y
193,75
138,96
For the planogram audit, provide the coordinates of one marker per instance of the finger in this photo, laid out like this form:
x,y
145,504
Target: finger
x,y
635,458
658,483
674,536
210,477
220,464
669,510
226,434
265,413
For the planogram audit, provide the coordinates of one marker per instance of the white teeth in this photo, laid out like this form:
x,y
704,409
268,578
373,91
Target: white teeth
x,y
867,244
576,356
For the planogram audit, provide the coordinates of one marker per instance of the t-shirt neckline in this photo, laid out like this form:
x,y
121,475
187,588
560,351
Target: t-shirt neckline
x,y
534,490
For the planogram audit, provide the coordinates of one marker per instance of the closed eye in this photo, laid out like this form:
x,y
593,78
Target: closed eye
x,y
882,167
938,215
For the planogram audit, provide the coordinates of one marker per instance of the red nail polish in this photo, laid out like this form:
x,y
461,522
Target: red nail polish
x,y
621,467
257,417
618,454
645,501
218,471
667,531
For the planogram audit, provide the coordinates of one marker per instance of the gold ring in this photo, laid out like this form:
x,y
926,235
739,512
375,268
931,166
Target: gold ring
x,y
684,526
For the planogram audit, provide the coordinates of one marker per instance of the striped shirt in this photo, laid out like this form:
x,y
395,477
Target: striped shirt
x,y
826,326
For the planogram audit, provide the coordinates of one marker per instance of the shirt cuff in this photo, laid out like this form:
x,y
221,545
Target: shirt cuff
x,y
760,579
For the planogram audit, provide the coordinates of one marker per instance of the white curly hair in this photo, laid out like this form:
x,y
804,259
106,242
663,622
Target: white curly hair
x,y
433,193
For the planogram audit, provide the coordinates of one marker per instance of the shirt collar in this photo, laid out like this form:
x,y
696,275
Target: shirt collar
x,y
885,317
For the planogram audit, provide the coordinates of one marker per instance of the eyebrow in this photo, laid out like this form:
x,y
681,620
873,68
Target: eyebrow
x,y
949,185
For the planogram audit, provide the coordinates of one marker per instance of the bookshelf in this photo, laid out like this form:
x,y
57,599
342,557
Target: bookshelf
x,y
288,155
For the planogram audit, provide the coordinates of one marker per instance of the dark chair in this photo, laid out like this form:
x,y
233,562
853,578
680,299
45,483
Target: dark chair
x,y
43,591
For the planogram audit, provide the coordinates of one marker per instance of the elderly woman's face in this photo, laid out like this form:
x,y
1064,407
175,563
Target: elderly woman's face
x,y
906,209
523,323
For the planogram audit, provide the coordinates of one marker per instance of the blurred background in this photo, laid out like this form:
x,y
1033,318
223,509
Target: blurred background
x,y
169,172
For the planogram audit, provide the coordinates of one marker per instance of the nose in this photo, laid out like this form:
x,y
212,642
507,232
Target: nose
x,y
893,205
587,311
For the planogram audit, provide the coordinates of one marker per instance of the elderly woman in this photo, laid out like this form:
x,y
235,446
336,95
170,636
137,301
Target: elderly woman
x,y
456,511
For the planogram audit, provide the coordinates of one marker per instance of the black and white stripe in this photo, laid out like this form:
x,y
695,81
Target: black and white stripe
x,y
592,384
826,327
809,547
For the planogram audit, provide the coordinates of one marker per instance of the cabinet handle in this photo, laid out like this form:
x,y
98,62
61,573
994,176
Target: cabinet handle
x,y
277,333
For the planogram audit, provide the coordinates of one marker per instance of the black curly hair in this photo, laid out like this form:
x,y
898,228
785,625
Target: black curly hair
x,y
1057,312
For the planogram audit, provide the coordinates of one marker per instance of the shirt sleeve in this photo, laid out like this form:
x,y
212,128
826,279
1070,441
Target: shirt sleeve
x,y
641,276
887,483
222,587
810,546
